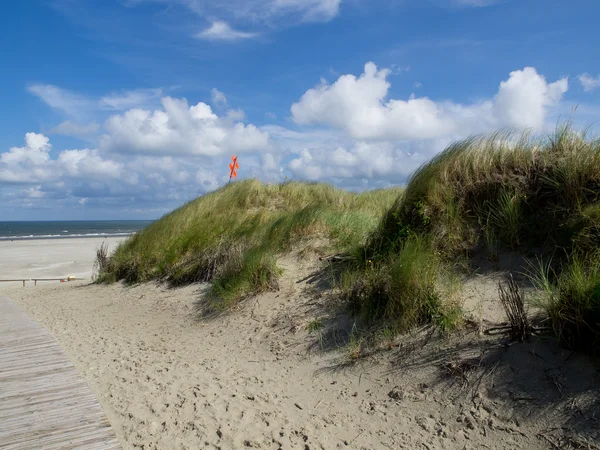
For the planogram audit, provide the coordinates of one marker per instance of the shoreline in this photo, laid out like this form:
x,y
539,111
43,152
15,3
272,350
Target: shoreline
x,y
71,236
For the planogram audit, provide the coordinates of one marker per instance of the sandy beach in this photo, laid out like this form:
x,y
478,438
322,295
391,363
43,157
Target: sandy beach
x,y
51,258
258,377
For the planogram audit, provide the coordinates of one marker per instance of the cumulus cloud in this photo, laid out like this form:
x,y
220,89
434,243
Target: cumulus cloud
x,y
181,129
156,158
523,100
32,163
87,163
93,177
35,150
220,30
375,163
588,82
359,105
147,157
23,164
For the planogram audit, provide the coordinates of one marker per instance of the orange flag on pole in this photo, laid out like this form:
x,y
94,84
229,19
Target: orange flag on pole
x,y
233,166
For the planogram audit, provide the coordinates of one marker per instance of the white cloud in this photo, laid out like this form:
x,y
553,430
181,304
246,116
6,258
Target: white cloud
x,y
387,139
32,163
78,106
180,129
523,100
310,10
361,108
221,31
35,151
71,103
155,158
274,12
70,128
218,98
92,176
588,82
377,163
475,3
130,99
87,163
292,141
34,192
236,115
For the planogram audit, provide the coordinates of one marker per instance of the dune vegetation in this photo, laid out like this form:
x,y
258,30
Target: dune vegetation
x,y
406,249
537,197
232,237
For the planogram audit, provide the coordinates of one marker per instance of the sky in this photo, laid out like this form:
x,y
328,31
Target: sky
x,y
126,109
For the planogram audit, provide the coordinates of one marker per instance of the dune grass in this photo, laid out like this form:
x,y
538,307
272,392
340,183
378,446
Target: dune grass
x,y
571,297
488,194
233,236
517,192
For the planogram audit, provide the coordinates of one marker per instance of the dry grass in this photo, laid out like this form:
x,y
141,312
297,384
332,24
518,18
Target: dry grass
x,y
101,263
513,302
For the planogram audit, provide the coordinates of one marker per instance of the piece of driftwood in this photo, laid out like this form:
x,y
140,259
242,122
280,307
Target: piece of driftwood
x,y
335,258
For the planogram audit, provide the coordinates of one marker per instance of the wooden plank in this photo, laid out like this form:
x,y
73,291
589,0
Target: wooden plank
x,y
44,403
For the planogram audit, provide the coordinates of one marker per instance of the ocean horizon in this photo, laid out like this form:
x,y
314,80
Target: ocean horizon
x,y
63,229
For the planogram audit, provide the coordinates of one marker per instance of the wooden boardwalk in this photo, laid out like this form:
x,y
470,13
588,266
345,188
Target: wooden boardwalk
x,y
44,404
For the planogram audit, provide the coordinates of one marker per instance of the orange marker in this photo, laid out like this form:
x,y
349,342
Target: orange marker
x,y
233,166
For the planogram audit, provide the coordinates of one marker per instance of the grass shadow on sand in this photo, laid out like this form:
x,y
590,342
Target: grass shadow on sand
x,y
537,378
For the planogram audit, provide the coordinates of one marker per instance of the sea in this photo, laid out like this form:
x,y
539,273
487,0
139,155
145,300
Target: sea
x,y
70,229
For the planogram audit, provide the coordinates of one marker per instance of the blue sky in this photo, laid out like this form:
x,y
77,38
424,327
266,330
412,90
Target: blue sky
x,y
128,108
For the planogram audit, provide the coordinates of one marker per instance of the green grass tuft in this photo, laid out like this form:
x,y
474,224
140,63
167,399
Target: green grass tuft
x,y
571,297
315,325
408,288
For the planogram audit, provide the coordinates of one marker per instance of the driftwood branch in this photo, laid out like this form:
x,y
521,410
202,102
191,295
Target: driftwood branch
x,y
335,258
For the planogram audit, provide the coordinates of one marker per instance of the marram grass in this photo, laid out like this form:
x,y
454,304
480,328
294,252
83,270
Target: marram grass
x,y
233,236
487,194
